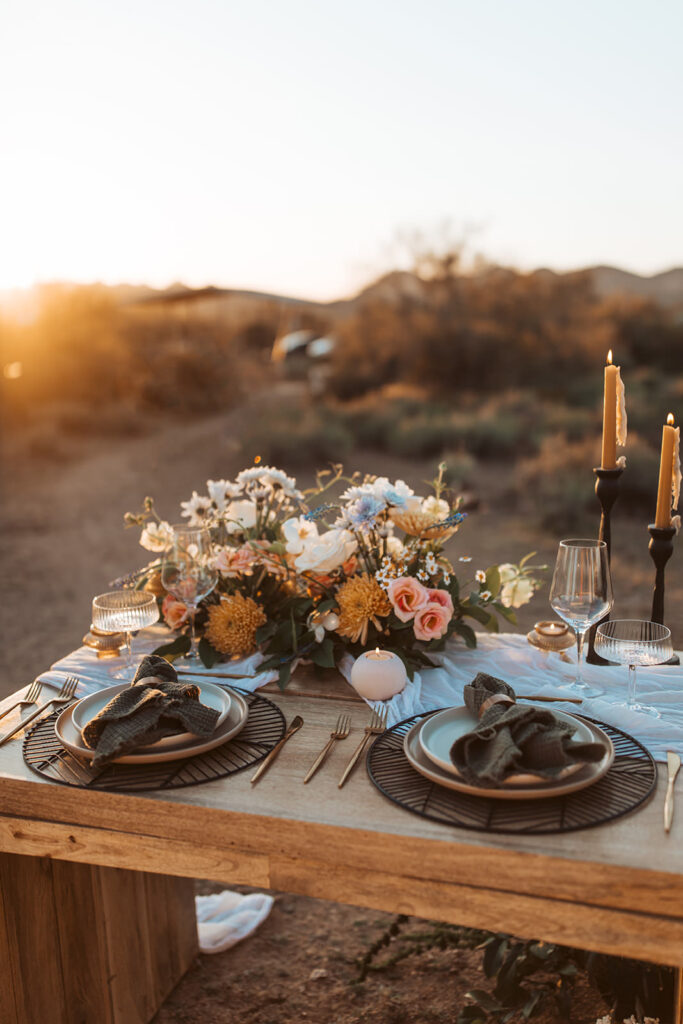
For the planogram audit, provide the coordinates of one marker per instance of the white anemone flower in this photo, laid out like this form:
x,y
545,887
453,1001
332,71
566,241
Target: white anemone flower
x,y
298,531
156,536
240,516
198,509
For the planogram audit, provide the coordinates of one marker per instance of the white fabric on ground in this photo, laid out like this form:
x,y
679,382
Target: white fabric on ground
x,y
225,918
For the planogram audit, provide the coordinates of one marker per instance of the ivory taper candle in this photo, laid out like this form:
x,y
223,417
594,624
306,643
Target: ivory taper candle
x,y
669,473
613,416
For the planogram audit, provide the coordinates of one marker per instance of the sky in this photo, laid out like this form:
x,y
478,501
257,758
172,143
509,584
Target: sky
x,y
290,145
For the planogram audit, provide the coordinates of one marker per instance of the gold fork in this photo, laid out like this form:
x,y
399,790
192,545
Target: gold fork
x,y
378,724
32,695
65,695
341,731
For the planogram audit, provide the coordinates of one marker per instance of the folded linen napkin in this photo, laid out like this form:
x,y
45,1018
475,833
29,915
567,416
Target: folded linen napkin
x,y
512,738
227,917
153,706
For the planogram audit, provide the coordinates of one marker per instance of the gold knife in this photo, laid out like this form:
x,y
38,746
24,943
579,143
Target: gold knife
x,y
673,763
265,764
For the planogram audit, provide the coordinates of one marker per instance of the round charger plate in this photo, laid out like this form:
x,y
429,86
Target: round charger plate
x,y
630,781
235,721
438,733
45,754
213,696
539,789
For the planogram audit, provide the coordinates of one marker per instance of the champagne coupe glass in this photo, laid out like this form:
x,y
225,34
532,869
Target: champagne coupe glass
x,y
188,574
124,611
581,593
634,642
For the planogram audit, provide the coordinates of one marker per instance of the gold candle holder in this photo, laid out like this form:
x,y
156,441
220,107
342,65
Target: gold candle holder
x,y
107,645
550,635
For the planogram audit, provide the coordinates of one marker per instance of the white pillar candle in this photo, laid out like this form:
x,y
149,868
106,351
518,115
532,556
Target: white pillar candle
x,y
378,675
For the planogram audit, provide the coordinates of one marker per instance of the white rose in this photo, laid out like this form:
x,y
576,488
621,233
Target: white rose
x,y
517,592
298,532
437,508
240,515
156,536
327,552
507,571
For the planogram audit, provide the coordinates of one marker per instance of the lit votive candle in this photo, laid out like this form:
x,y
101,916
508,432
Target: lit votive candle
x,y
378,675
550,628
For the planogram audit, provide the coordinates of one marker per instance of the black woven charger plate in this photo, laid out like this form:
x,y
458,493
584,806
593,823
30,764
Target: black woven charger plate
x,y
628,783
265,727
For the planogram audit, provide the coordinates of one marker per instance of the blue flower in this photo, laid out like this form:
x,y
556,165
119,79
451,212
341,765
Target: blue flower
x,y
363,512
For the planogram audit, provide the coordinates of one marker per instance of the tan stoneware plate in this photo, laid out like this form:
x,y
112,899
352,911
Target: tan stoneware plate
x,y
216,697
234,722
440,731
588,774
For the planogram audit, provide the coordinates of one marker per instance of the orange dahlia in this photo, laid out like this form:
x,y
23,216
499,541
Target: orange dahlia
x,y
232,625
361,601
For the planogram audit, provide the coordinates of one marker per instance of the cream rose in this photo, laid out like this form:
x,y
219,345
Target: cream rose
x,y
436,508
240,515
326,552
431,622
516,593
156,536
407,596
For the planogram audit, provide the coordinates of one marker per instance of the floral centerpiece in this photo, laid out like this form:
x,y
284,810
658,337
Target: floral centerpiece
x,y
304,576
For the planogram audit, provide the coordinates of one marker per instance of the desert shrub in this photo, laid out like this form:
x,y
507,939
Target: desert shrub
x,y
461,469
289,435
560,479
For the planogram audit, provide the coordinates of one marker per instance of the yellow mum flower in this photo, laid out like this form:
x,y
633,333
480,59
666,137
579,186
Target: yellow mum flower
x,y
233,623
361,601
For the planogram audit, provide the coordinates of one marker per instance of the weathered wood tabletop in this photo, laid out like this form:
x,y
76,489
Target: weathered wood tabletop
x,y
616,888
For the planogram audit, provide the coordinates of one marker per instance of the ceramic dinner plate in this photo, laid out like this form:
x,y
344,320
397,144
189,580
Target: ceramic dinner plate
x,y
586,776
234,721
440,731
213,696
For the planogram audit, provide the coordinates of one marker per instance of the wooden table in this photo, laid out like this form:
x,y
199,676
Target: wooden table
x,y
96,887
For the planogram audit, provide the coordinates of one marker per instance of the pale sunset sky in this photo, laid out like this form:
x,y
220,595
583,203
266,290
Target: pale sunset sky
x,y
284,144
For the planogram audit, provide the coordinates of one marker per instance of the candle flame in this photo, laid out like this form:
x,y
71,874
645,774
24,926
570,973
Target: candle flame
x,y
609,357
376,650
670,419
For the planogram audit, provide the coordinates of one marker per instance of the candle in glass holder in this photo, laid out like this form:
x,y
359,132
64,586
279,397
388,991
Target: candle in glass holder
x,y
378,675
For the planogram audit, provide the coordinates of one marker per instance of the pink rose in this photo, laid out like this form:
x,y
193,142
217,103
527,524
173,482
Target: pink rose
x,y
441,597
173,611
407,596
236,561
431,622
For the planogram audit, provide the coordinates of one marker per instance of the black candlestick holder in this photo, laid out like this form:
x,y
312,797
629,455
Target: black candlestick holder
x,y
661,548
607,490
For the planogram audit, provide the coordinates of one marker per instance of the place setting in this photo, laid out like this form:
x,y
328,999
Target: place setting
x,y
156,731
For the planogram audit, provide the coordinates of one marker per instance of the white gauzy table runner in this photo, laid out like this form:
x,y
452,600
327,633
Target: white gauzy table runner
x,y
507,655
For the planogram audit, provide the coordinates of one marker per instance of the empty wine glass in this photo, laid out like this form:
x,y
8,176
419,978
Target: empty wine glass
x,y
634,642
124,611
188,574
581,593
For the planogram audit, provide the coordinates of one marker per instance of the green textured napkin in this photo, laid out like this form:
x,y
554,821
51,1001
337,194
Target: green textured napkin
x,y
514,738
153,706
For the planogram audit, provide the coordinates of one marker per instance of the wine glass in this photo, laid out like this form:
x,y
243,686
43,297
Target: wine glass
x,y
634,642
124,611
188,574
581,592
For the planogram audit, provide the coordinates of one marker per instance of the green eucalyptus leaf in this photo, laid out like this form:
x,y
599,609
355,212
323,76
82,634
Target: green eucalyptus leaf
x,y
175,648
493,580
208,654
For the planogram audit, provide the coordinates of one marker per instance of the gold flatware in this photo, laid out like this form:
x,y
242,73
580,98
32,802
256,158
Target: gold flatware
x,y
341,731
378,724
549,700
673,763
32,695
65,695
211,675
265,764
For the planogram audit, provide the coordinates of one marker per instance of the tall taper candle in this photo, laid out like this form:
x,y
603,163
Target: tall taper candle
x,y
614,415
670,436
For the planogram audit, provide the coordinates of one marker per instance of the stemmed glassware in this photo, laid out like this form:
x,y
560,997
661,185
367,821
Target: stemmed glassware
x,y
581,593
634,642
188,574
124,611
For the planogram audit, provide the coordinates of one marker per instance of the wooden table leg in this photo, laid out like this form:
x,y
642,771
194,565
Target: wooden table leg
x,y
90,944
678,995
